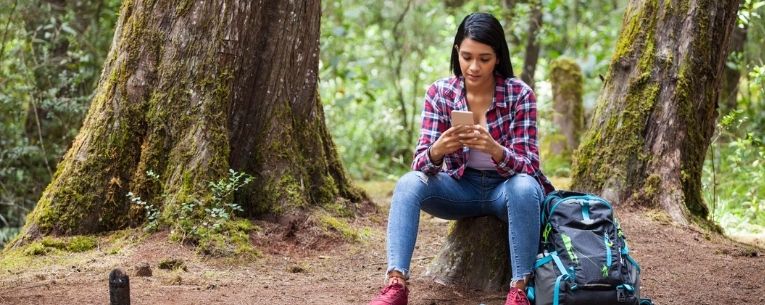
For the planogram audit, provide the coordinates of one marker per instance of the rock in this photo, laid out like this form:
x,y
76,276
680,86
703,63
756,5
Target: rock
x,y
143,269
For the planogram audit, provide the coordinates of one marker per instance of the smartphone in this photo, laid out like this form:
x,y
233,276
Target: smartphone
x,y
462,118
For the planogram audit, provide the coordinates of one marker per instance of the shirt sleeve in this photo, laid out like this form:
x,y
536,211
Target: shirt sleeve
x,y
521,153
434,123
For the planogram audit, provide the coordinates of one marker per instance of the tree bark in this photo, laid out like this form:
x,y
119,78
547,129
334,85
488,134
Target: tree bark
x,y
656,114
532,43
475,255
189,90
568,116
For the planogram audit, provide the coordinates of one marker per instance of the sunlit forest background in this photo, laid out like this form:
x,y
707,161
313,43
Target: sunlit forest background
x,y
377,59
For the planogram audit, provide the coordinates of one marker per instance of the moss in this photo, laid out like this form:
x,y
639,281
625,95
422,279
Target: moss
x,y
634,28
335,224
55,243
36,249
612,152
231,240
692,159
81,243
659,216
280,196
50,244
326,195
172,264
183,7
652,185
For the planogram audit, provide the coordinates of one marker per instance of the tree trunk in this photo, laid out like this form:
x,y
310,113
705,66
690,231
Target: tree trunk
x,y
508,16
656,114
189,90
475,255
731,75
568,116
532,43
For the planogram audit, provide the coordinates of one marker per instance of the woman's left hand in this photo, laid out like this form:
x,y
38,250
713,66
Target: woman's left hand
x,y
481,140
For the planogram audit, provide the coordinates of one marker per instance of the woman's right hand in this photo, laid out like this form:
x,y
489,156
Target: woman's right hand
x,y
448,142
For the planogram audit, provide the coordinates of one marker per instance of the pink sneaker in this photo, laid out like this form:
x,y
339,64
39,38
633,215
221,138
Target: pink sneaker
x,y
516,297
393,294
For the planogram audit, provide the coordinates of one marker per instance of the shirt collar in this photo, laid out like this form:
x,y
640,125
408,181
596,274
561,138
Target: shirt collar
x,y
500,93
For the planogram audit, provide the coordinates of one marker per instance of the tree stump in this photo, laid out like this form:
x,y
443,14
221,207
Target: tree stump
x,y
475,255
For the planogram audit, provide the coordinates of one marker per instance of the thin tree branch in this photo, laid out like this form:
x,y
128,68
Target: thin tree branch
x,y
7,26
398,66
39,134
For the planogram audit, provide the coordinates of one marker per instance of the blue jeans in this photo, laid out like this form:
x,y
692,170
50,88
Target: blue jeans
x,y
515,200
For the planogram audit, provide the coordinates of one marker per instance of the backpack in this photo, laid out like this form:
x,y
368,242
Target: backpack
x,y
584,257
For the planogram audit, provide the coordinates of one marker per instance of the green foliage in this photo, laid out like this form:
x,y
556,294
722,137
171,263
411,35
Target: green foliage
x,y
152,212
379,57
210,224
735,165
221,207
50,59
733,175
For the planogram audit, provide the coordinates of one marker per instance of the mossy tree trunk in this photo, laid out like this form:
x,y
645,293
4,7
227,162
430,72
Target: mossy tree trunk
x,y
189,90
568,115
475,255
656,113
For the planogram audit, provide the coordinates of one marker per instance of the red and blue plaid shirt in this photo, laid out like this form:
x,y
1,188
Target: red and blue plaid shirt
x,y
511,119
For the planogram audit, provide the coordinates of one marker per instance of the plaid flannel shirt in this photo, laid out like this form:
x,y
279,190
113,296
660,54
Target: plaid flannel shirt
x,y
511,119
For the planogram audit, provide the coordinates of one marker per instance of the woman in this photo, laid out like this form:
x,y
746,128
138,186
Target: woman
x,y
490,168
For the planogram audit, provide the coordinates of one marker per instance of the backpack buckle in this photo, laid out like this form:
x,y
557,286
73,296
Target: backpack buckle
x,y
621,296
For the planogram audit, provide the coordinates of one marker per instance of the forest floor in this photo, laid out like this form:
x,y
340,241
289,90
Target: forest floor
x,y
680,265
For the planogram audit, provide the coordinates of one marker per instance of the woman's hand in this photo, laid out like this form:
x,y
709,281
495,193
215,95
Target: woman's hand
x,y
478,138
448,142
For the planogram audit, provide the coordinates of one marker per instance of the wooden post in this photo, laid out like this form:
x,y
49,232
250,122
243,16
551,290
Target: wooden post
x,y
119,288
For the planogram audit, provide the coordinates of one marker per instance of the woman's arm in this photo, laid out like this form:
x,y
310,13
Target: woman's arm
x,y
433,125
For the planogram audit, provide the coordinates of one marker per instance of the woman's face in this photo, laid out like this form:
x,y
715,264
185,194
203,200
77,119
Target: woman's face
x,y
477,61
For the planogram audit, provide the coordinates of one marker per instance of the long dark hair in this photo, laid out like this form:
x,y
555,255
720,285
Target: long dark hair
x,y
483,28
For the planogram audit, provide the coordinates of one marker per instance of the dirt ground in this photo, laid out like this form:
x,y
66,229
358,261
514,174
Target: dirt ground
x,y
681,265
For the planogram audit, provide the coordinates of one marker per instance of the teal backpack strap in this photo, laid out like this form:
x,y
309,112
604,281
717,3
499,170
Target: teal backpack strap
x,y
645,302
563,276
556,290
531,295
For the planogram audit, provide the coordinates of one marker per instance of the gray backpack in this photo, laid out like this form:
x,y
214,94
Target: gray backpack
x,y
584,257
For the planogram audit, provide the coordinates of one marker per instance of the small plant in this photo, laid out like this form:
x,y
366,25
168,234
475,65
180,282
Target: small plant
x,y
206,222
210,224
152,212
221,207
